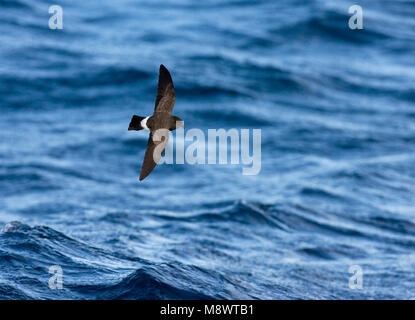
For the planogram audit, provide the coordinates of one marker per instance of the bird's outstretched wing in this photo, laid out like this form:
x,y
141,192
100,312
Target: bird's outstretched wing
x,y
165,92
155,148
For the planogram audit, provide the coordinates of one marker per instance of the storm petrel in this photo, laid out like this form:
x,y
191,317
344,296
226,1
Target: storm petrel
x,y
161,121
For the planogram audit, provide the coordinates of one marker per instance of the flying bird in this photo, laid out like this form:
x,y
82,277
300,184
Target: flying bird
x,y
159,124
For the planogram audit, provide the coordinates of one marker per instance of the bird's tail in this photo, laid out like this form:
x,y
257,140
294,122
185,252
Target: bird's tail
x,y
135,123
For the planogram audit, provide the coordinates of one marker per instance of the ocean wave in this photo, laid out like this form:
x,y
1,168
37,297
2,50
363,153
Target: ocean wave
x,y
329,24
148,283
30,251
16,4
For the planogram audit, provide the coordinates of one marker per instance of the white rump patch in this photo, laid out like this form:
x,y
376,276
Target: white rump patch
x,y
144,123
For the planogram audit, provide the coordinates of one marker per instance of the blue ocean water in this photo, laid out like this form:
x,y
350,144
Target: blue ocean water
x,y
337,112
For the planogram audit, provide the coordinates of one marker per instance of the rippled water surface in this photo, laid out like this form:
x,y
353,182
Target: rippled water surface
x,y
336,189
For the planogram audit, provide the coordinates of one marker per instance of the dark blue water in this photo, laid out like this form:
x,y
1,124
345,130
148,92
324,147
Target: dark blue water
x,y
337,112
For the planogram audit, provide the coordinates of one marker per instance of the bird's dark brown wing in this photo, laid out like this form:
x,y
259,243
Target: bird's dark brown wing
x,y
155,148
165,92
